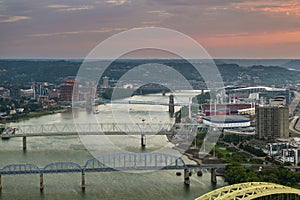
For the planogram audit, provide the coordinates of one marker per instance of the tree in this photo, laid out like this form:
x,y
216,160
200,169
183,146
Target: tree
x,y
235,173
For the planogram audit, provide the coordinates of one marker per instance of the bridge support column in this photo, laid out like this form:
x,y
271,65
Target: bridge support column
x,y
82,181
213,176
171,105
186,177
24,143
0,183
41,182
143,140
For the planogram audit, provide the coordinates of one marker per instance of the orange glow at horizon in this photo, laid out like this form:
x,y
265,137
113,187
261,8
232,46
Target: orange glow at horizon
x,y
258,39
288,8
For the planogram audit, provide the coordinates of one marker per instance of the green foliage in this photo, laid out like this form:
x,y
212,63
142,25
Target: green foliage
x,y
253,150
235,173
235,139
203,98
231,154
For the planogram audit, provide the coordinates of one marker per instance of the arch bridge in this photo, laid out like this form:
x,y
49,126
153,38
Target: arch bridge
x,y
252,190
105,163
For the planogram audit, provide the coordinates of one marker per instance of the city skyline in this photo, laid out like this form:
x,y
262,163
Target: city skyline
x,y
226,29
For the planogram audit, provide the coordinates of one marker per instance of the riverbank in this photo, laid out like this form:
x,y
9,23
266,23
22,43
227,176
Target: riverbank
x,y
184,151
34,115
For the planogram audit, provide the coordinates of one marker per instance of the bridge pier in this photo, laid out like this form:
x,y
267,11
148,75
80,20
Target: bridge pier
x,y
186,177
0,183
41,182
171,105
82,181
213,177
24,143
143,140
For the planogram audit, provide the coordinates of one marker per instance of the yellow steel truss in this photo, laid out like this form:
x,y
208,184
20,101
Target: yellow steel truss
x,y
248,191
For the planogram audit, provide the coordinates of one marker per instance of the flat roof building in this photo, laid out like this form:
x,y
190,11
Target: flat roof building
x,y
227,122
272,122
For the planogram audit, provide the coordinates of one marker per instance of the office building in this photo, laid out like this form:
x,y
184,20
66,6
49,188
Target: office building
x,y
67,89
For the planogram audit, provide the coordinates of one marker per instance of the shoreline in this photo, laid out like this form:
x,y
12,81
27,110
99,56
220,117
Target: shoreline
x,y
34,115
183,152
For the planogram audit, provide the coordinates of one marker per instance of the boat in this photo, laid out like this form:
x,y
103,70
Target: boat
x,y
8,132
96,111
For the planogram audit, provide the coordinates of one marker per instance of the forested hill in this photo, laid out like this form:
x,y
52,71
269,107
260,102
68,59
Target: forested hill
x,y
24,71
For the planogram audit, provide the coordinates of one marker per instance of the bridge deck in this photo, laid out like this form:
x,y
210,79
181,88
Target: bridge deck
x,y
96,129
45,134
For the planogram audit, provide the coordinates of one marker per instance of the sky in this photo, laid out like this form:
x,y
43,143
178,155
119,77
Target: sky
x,y
225,28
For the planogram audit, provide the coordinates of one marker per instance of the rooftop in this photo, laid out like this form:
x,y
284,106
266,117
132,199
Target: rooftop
x,y
227,118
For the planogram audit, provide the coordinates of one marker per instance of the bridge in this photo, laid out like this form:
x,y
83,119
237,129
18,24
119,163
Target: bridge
x,y
252,190
106,163
69,129
114,162
145,102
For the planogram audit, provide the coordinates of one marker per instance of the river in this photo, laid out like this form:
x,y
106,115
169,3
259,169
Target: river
x,y
109,185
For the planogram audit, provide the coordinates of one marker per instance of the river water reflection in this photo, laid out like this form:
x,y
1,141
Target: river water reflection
x,y
111,185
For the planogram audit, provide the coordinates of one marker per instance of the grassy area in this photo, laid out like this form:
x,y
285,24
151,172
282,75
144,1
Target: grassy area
x,y
231,154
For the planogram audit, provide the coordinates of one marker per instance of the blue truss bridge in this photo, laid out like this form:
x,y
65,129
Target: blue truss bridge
x,y
113,162
106,163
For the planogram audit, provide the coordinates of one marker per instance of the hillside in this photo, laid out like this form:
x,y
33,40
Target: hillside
x,y
24,71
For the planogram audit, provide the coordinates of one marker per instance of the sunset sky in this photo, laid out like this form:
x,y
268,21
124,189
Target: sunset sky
x,y
225,28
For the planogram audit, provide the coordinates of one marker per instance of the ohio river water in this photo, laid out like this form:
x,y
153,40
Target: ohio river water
x,y
109,185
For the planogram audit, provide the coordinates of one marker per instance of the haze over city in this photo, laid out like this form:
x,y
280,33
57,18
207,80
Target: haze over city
x,y
226,29
117,99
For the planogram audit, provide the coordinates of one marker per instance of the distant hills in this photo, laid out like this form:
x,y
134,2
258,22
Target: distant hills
x,y
286,63
292,64
256,72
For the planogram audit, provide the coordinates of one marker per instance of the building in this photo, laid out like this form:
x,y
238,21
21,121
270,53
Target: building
x,y
224,109
4,92
40,91
247,111
67,89
105,82
258,93
291,156
28,93
227,121
276,148
272,122
277,101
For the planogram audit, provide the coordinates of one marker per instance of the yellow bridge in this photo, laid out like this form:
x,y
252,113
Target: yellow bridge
x,y
252,190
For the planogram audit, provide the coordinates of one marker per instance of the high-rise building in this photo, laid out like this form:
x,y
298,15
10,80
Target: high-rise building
x,y
68,90
272,122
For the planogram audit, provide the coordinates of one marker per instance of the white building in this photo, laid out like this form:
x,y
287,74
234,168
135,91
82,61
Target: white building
x,y
227,121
